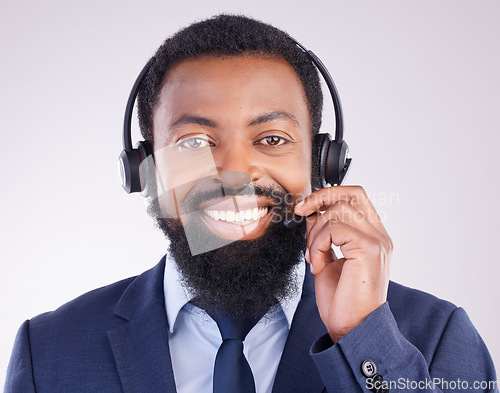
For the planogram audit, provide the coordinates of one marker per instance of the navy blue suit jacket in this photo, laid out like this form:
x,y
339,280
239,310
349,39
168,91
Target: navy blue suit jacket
x,y
114,339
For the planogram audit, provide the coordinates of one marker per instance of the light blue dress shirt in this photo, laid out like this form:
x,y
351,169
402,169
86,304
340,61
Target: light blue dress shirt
x,y
194,337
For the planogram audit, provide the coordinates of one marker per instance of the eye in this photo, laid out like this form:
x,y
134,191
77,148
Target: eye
x,y
196,142
272,140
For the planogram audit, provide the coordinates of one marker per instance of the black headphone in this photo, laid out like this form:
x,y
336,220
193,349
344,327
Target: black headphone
x,y
333,155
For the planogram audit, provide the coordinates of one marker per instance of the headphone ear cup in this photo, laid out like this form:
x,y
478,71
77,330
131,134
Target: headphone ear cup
x,y
129,162
146,171
337,162
330,162
321,144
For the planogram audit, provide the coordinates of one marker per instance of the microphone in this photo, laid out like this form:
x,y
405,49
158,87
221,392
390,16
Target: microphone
x,y
295,220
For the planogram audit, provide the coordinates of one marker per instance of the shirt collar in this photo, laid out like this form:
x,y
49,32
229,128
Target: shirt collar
x,y
177,296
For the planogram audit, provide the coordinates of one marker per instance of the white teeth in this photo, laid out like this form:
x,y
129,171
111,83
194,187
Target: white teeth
x,y
230,215
255,214
241,216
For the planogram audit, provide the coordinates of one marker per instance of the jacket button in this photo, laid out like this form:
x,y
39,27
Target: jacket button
x,y
376,383
368,368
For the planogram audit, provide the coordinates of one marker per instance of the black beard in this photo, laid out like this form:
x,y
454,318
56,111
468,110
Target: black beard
x,y
244,278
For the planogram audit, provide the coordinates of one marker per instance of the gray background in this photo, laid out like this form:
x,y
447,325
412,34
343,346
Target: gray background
x,y
420,87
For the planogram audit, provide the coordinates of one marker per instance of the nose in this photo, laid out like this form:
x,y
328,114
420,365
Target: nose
x,y
237,166
235,179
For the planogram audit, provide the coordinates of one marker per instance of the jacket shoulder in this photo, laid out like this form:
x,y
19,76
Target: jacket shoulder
x,y
69,349
115,302
73,339
407,302
94,304
421,317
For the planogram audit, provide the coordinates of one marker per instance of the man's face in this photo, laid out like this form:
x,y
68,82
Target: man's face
x,y
222,127
250,115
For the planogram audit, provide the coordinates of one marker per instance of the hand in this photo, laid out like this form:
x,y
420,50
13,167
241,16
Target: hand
x,y
349,288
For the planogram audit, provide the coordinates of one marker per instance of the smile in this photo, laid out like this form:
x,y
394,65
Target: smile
x,y
237,218
242,217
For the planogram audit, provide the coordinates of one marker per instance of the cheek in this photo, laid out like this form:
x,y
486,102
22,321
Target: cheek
x,y
177,169
177,174
294,174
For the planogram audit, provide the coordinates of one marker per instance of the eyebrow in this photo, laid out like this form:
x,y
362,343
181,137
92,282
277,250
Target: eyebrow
x,y
197,120
261,119
276,115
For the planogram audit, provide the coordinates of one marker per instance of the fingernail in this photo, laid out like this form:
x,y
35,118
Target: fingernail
x,y
312,268
298,205
307,254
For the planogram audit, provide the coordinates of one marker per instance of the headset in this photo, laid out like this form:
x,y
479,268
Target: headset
x,y
334,160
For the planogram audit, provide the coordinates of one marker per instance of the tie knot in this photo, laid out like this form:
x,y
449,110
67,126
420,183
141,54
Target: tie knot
x,y
233,328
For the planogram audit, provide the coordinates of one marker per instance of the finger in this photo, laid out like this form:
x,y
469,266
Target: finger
x,y
353,245
319,250
354,195
310,223
342,211
330,257
328,196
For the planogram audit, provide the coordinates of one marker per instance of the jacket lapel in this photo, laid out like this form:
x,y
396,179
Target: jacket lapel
x,y
297,371
140,345
141,350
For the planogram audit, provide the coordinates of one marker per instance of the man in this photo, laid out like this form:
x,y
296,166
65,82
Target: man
x,y
230,108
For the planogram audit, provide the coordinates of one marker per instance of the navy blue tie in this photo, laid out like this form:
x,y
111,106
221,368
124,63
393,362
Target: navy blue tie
x,y
232,373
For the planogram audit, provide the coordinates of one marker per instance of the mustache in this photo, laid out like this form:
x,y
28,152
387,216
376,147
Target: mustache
x,y
194,199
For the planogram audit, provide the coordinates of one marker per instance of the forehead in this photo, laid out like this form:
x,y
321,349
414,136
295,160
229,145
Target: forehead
x,y
229,87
